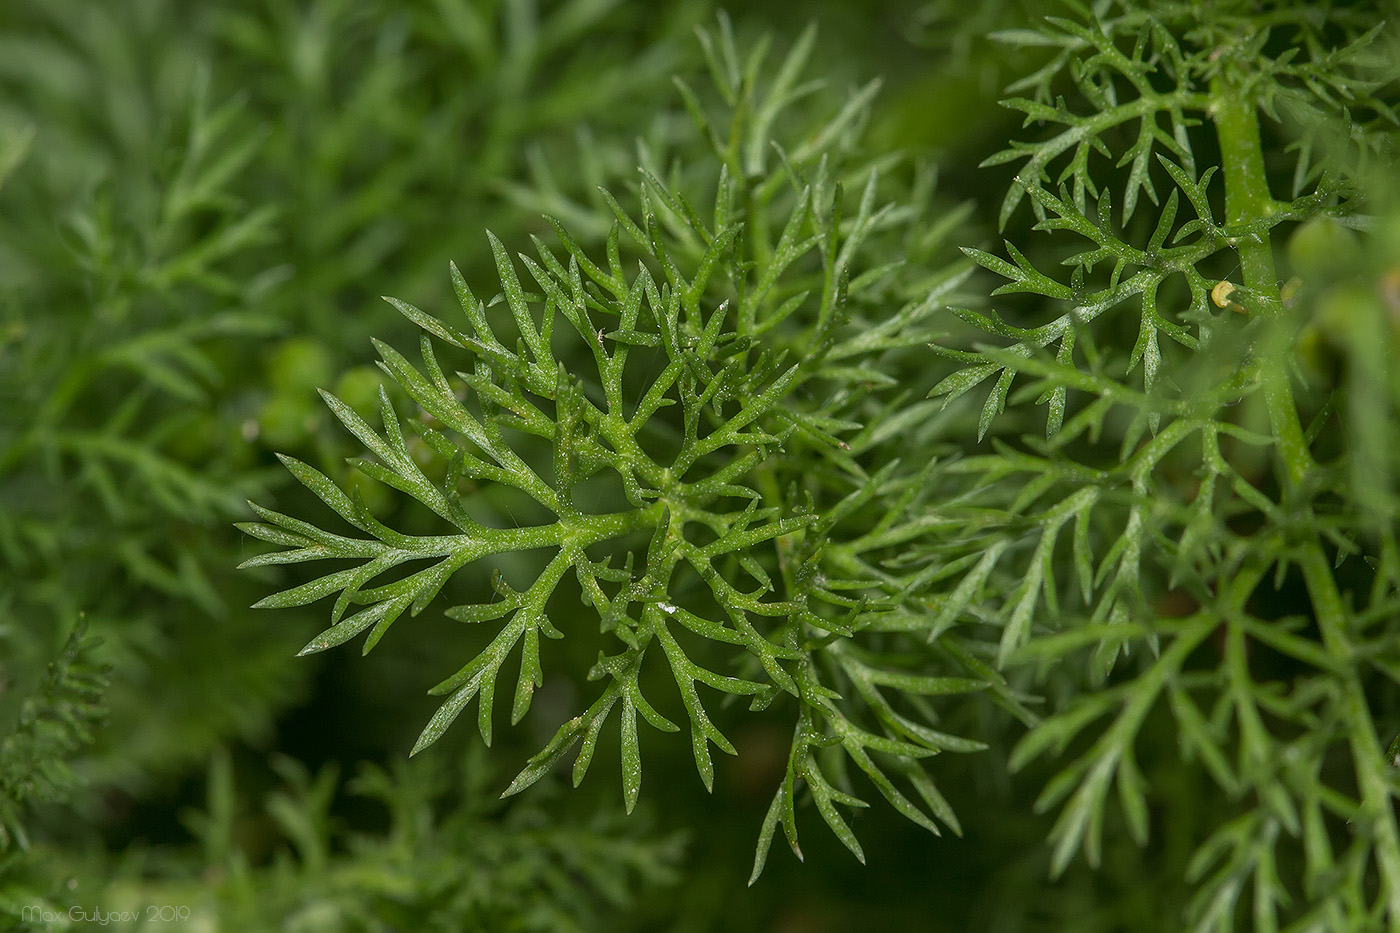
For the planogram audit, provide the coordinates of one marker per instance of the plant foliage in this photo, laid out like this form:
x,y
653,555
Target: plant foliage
x,y
692,479
1190,461
1204,531
450,857
731,443
55,723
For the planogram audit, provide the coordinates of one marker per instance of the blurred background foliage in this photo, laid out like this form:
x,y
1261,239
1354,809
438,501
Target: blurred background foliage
x,y
199,207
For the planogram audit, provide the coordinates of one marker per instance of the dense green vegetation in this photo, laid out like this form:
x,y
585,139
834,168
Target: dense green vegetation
x,y
1018,517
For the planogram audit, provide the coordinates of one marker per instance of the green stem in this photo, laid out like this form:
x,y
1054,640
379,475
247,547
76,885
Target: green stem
x,y
1247,197
1247,200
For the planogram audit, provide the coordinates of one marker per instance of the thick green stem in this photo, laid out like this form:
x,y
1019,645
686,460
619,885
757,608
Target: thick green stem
x,y
1247,201
1247,197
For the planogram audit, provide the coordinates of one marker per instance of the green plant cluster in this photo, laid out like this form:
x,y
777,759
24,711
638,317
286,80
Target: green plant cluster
x,y
853,575
1232,554
450,857
54,723
191,196
699,488
1080,542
